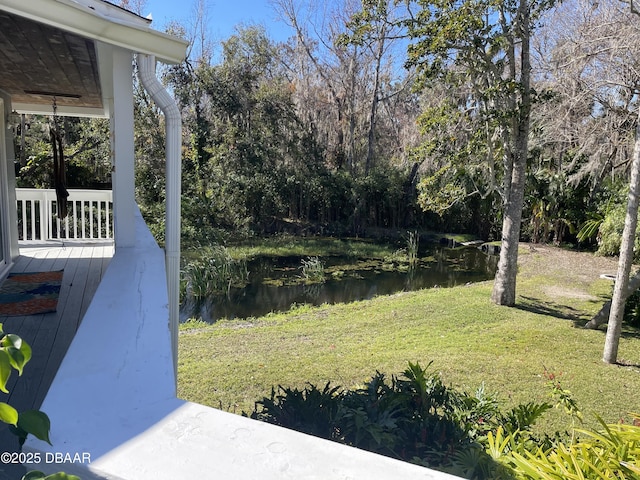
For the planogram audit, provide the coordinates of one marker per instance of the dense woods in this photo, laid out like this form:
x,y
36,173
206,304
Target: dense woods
x,y
382,115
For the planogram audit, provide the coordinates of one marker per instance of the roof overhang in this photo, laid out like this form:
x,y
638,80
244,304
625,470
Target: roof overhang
x,y
98,20
62,49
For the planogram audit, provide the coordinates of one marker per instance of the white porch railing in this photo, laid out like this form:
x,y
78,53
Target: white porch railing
x,y
90,215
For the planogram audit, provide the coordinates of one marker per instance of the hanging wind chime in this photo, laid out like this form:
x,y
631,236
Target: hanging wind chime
x,y
59,170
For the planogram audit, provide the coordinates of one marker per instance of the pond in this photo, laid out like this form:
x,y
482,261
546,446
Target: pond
x,y
275,282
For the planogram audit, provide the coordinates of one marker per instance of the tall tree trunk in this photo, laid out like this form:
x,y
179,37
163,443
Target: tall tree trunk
x,y
614,326
408,191
504,288
374,102
603,315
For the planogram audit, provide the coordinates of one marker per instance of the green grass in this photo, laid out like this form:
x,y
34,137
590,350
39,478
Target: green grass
x,y
470,340
288,245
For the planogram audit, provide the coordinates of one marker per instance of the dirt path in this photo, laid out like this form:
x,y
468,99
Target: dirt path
x,y
570,274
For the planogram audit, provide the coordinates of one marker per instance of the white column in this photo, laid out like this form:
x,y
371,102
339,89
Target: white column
x,y
122,149
9,217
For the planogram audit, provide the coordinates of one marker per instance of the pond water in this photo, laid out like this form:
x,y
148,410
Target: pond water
x,y
274,282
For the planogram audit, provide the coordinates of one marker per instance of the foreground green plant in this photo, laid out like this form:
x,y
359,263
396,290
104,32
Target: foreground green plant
x,y
15,353
413,417
612,452
609,453
37,475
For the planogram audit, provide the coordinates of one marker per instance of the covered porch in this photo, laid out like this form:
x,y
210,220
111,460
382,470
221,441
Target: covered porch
x,y
50,334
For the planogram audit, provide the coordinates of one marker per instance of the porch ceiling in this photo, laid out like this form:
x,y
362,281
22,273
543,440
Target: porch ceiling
x,y
39,62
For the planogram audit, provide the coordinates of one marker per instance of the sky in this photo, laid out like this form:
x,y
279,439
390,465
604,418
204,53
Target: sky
x,y
223,16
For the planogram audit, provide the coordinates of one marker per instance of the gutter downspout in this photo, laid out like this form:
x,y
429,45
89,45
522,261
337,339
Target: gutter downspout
x,y
173,130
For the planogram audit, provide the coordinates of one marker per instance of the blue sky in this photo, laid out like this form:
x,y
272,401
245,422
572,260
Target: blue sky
x,y
223,16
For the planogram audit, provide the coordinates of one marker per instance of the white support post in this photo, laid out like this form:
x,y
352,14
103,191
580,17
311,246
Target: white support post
x,y
9,230
123,149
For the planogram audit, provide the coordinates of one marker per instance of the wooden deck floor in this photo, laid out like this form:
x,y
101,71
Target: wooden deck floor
x,y
50,334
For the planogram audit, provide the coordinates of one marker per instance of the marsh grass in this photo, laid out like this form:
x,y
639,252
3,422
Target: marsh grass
x,y
413,241
213,272
313,270
470,340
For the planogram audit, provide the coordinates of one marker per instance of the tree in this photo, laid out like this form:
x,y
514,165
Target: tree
x,y
376,28
614,327
589,59
486,45
325,73
136,6
585,58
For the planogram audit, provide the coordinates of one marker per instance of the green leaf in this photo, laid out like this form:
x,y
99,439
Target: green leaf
x,y
61,476
25,349
36,423
16,358
18,432
34,475
19,351
37,475
5,370
11,340
8,414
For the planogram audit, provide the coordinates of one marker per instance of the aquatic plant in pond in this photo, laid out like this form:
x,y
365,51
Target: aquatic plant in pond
x,y
213,273
413,241
313,270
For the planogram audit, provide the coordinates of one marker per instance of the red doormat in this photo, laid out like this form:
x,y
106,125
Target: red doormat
x,y
30,293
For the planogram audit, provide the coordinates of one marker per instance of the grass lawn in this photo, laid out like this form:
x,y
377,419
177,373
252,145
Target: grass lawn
x,y
231,364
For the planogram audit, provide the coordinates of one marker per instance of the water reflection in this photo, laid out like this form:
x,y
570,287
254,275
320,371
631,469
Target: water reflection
x,y
441,267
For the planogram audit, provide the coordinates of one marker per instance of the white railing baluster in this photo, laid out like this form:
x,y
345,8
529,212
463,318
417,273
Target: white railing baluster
x,y
108,224
91,218
49,214
75,218
33,219
24,218
84,220
41,223
99,203
66,227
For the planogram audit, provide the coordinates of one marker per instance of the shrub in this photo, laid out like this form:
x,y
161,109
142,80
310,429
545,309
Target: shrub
x,y
610,232
632,310
610,453
413,417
